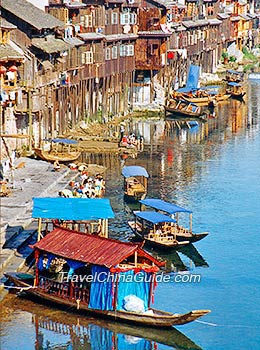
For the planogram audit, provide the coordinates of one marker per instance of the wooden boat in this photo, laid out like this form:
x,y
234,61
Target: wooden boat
x,y
156,229
181,233
235,90
58,152
201,101
92,290
234,76
183,109
79,326
135,182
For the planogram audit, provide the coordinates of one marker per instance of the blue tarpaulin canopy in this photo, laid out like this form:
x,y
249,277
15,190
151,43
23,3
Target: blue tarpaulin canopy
x,y
193,77
65,141
167,207
232,83
153,217
186,90
72,208
231,71
134,170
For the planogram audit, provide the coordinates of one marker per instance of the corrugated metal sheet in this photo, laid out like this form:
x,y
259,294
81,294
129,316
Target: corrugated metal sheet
x,y
31,14
86,248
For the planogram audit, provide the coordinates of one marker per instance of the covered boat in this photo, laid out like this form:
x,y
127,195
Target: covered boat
x,y
235,90
97,276
156,229
58,150
89,215
234,76
181,233
135,182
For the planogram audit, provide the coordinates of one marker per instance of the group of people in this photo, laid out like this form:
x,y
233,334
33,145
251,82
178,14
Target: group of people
x,y
86,187
130,140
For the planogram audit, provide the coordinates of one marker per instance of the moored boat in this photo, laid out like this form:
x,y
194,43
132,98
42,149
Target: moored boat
x,y
156,229
183,109
61,154
88,274
135,182
235,90
181,233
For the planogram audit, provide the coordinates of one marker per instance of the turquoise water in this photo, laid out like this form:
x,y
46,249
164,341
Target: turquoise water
x,y
214,170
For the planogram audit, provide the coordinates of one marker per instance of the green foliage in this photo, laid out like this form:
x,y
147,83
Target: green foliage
x,y
248,55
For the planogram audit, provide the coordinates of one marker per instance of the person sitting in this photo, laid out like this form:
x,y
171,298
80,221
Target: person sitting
x,y
56,165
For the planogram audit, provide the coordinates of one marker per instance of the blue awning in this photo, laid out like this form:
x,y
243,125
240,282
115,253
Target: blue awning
x,y
186,89
72,208
134,170
65,141
193,76
167,207
231,71
153,217
232,83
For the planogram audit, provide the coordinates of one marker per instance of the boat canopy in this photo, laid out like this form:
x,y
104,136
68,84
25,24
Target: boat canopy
x,y
186,90
65,141
232,83
134,170
153,217
90,249
167,207
231,71
193,76
72,208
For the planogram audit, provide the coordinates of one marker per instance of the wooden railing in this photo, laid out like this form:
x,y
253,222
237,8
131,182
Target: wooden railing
x,y
66,290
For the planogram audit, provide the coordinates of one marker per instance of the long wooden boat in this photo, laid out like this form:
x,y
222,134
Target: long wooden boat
x,y
44,318
52,156
135,182
183,109
235,90
181,234
201,101
157,319
156,229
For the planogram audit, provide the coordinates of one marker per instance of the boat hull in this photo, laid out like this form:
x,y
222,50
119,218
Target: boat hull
x,y
59,156
161,319
176,113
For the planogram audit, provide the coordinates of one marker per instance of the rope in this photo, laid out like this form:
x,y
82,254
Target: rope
x,y
19,288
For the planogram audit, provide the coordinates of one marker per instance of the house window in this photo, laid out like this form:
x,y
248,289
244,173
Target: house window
x,y
88,21
123,51
154,49
108,54
106,19
130,50
125,18
114,52
87,57
114,18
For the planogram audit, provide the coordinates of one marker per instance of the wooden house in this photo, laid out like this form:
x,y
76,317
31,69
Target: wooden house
x,y
11,64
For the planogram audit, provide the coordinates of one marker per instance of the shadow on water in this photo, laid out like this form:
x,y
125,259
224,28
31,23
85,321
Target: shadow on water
x,y
88,333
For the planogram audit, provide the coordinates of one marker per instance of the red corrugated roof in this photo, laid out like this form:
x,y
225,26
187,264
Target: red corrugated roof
x,y
88,248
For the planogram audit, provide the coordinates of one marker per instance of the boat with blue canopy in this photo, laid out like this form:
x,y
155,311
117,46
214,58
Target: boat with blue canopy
x,y
180,233
235,90
58,149
156,229
135,182
97,276
89,215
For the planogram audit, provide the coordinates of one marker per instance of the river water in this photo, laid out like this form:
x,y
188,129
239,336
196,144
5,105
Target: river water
x,y
213,169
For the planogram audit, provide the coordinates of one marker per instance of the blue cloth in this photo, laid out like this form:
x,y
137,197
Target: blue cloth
x,y
100,338
101,289
72,208
40,261
162,205
193,77
128,286
129,342
134,170
73,266
153,217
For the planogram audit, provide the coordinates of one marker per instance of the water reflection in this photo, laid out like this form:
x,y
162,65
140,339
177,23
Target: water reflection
x,y
54,329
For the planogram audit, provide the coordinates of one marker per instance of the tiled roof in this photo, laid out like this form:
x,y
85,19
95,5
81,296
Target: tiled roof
x,y
31,14
5,24
50,44
8,53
